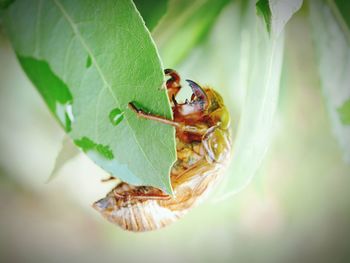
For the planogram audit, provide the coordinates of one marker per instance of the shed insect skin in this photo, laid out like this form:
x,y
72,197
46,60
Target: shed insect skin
x,y
203,148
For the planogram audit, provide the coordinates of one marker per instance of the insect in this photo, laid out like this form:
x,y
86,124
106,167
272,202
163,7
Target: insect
x,y
203,148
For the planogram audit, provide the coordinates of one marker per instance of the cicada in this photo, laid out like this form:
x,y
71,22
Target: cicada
x,y
203,147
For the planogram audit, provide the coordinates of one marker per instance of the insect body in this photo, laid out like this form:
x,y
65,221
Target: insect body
x,y
203,148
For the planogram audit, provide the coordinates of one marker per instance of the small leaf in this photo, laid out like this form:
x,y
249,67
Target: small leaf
x,y
276,13
88,58
332,42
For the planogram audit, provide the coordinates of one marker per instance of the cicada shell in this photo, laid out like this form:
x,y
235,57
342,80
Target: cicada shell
x,y
203,148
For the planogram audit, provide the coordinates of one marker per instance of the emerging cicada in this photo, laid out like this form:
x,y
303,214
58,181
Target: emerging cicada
x,y
203,149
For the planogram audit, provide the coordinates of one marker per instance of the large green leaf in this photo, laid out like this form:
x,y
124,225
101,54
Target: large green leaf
x,y
276,13
332,41
88,59
184,25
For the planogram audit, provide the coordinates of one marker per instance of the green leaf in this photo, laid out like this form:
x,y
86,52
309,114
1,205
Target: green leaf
x,y
89,59
276,13
184,26
331,39
152,11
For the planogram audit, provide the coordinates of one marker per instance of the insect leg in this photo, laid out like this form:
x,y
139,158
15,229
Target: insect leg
x,y
139,194
150,116
110,178
172,84
178,125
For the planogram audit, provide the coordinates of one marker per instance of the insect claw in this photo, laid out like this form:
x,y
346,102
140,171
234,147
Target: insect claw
x,y
199,93
197,90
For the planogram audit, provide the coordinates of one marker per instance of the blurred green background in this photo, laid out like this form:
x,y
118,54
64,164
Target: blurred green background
x,y
296,209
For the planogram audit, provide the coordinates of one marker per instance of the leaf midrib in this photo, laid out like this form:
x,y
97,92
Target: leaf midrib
x,y
106,84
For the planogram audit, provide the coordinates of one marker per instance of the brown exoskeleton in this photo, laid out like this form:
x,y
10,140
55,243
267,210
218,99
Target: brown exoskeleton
x,y
203,149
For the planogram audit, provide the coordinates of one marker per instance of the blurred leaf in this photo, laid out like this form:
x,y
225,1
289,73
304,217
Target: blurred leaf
x,y
341,11
257,118
67,152
151,11
5,3
343,7
331,38
184,26
255,77
277,13
89,59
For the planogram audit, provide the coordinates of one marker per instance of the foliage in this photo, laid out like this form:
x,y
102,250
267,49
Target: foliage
x,y
89,59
